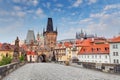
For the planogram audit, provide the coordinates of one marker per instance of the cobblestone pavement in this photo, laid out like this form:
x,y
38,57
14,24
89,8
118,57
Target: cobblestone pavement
x,y
51,71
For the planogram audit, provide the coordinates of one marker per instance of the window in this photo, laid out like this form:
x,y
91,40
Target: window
x,y
113,53
116,61
106,48
99,56
88,56
92,49
95,56
116,53
115,46
106,56
98,49
92,56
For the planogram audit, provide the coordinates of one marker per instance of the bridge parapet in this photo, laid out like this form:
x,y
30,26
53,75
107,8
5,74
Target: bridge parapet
x,y
6,69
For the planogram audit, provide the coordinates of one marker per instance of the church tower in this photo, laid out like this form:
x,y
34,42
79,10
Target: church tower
x,y
50,36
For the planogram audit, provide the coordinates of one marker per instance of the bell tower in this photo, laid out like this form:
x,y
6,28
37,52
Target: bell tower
x,y
50,35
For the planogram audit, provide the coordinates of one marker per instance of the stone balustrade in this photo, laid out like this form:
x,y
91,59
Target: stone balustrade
x,y
6,69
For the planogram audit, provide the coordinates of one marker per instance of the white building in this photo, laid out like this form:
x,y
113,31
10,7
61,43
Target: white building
x,y
94,58
97,53
31,56
115,50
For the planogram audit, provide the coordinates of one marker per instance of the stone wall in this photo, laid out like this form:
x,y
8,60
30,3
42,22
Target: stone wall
x,y
6,69
110,68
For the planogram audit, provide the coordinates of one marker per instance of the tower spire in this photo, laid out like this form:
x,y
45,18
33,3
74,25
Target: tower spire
x,y
49,25
56,29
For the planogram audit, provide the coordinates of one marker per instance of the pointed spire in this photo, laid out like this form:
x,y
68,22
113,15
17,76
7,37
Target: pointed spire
x,y
38,34
81,31
76,35
17,38
56,29
43,30
85,36
49,25
95,35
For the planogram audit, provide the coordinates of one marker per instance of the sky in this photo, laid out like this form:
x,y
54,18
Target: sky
x,y
101,17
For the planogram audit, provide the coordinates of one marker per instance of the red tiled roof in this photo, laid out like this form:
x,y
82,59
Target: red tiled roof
x,y
30,53
6,47
67,44
116,39
86,42
95,49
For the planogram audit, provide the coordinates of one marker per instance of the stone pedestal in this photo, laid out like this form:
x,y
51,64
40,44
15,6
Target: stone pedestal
x,y
15,57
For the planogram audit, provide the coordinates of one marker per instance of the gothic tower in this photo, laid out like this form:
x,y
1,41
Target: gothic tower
x,y
30,37
50,36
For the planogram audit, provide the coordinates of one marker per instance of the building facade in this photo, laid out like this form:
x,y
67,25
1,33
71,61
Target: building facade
x,y
94,52
115,50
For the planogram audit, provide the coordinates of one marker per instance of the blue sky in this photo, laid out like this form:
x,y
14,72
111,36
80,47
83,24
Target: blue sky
x,y
101,17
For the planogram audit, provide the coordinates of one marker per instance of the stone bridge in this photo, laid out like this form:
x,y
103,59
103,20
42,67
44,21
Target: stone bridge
x,y
52,71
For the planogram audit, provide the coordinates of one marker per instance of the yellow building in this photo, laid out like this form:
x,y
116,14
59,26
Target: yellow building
x,y
6,49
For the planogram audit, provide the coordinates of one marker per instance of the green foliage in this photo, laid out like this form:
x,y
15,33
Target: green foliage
x,y
5,60
22,58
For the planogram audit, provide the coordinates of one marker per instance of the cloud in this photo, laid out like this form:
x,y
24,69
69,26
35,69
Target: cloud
x,y
16,1
35,2
17,8
113,6
59,5
20,14
57,9
3,12
11,30
92,1
103,23
40,13
6,20
77,3
48,5
27,2
87,20
12,14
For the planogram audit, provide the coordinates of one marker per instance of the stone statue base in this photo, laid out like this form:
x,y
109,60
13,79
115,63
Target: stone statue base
x,y
15,57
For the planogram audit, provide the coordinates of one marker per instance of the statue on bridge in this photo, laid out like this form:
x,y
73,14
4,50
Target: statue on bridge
x,y
16,51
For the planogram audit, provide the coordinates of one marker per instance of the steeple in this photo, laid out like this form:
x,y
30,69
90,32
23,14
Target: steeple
x,y
76,35
38,36
30,37
43,30
81,31
49,25
56,29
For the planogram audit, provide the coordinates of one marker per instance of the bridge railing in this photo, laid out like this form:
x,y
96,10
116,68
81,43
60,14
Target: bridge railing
x,y
6,69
